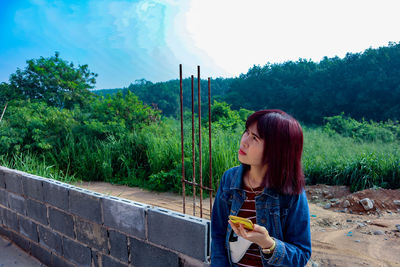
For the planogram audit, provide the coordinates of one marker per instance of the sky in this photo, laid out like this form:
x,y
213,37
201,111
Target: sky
x,y
123,41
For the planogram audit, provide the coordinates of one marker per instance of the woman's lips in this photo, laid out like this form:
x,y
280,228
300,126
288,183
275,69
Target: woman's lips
x,y
241,152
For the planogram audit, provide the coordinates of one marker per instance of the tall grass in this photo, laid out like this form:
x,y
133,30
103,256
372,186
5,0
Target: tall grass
x,y
334,159
36,165
116,159
164,153
151,158
328,157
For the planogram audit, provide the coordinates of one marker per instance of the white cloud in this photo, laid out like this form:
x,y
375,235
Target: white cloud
x,y
127,40
238,34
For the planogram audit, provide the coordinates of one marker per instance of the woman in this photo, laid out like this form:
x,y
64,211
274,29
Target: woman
x,y
268,189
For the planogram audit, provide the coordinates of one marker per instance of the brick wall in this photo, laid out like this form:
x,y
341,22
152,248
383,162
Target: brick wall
x,y
63,225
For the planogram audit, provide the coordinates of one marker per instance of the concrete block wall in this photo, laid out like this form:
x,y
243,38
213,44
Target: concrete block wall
x,y
63,225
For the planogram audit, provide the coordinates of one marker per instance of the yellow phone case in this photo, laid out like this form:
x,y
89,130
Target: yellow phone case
x,y
246,222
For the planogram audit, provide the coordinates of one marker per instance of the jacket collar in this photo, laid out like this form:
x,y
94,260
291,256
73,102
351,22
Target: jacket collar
x,y
237,183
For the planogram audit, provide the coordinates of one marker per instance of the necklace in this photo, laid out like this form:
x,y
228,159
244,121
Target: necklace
x,y
252,190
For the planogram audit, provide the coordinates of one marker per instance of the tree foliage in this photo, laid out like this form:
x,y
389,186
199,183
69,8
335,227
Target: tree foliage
x,y
362,85
388,131
118,113
53,80
224,117
33,126
166,95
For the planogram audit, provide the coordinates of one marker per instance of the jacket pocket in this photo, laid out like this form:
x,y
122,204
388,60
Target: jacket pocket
x,y
278,217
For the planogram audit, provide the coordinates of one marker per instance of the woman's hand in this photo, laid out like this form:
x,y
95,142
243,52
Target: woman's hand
x,y
258,236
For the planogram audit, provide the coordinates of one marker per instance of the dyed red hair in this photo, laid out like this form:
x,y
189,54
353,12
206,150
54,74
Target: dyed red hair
x,y
283,147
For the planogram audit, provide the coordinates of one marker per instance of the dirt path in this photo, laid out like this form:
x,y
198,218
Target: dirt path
x,y
338,238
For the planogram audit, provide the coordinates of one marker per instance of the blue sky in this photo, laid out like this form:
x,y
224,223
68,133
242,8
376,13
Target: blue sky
x,y
127,40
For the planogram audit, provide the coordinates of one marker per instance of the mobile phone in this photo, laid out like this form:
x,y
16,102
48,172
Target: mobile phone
x,y
246,222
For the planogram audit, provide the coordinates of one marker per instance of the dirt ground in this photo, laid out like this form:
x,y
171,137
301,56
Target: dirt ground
x,y
343,232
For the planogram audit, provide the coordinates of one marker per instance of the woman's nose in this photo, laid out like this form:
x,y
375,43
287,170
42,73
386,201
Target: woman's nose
x,y
244,141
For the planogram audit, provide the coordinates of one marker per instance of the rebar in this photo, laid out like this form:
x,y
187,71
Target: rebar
x,y
200,163
209,140
193,183
193,152
183,159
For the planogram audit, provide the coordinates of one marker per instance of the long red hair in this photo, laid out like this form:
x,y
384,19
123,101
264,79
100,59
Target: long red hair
x,y
283,147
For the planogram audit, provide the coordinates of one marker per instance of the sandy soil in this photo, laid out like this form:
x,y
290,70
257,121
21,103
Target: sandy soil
x,y
343,233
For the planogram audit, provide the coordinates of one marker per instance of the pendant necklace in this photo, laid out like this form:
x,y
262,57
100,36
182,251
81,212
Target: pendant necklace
x,y
252,190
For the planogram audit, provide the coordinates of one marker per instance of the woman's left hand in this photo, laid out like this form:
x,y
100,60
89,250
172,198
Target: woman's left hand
x,y
259,235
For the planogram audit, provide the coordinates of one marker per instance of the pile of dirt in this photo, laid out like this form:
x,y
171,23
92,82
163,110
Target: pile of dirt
x,y
339,198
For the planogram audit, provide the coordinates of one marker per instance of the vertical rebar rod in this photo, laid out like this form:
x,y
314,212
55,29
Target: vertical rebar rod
x,y
209,140
193,153
200,164
183,162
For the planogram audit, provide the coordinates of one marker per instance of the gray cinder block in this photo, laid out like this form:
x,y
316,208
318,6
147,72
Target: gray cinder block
x,y
91,234
50,239
59,261
1,215
85,204
61,222
41,254
20,241
32,188
186,234
4,232
36,211
28,228
11,220
108,261
145,254
118,245
96,258
3,197
56,194
13,181
77,253
2,178
186,261
126,216
16,203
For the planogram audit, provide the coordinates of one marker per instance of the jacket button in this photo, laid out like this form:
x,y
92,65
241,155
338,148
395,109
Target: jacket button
x,y
263,220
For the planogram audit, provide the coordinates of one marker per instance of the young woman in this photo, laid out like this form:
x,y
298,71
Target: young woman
x,y
268,189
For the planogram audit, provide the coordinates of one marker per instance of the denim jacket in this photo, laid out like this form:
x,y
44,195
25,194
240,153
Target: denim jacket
x,y
286,217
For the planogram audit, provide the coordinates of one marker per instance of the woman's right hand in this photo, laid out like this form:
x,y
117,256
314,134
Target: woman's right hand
x,y
259,235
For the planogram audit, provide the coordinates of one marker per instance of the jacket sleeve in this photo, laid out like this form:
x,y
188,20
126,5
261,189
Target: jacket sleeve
x,y
295,250
219,223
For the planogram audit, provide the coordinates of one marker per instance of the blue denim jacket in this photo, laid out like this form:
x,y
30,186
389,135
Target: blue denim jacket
x,y
286,218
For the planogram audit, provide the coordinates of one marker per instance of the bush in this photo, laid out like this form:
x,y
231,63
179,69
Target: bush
x,y
223,117
33,126
166,181
363,131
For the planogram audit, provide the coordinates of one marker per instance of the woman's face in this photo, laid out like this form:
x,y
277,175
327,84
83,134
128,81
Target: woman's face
x,y
251,147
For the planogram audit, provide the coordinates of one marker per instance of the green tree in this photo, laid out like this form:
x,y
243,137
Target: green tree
x,y
5,94
224,117
33,126
117,114
53,80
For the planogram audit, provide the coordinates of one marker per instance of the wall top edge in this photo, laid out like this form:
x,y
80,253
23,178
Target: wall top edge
x,y
108,197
